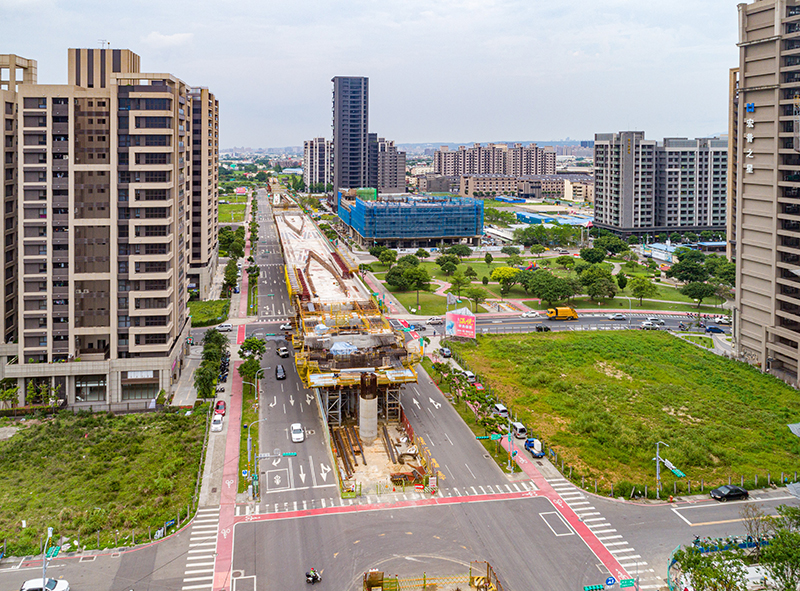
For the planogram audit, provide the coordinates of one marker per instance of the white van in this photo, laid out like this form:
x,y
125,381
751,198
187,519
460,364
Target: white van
x,y
225,327
500,410
519,430
470,377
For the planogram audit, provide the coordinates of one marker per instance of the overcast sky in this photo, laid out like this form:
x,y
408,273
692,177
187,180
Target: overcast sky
x,y
444,70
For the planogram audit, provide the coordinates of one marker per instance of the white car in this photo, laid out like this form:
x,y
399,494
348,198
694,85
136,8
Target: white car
x,y
530,314
50,585
617,316
216,423
647,325
656,321
286,326
435,320
723,320
298,434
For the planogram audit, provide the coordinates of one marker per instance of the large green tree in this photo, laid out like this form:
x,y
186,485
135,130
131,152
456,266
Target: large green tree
x,y
459,281
476,295
417,278
711,571
388,256
593,255
698,291
642,288
252,347
459,250
546,286
506,277
565,261
688,271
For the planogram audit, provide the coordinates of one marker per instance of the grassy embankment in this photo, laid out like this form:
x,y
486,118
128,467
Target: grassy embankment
x,y
95,473
603,400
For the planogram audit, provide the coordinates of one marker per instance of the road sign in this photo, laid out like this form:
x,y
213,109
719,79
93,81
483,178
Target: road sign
x,y
610,581
627,583
678,473
496,436
53,551
244,473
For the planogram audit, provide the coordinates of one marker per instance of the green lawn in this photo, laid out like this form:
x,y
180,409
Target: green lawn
x,y
209,312
603,399
430,304
706,342
249,416
85,473
231,212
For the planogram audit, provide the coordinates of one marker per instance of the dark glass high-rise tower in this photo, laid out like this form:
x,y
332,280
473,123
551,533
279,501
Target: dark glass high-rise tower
x,y
350,132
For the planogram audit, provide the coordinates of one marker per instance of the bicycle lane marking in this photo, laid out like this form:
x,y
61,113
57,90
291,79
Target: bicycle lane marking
x,y
230,482
588,537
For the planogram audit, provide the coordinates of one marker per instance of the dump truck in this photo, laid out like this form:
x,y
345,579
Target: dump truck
x,y
562,314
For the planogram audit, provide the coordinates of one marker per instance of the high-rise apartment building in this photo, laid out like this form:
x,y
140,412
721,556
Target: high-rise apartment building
x,y
317,163
391,167
645,187
517,160
204,109
350,131
117,201
766,185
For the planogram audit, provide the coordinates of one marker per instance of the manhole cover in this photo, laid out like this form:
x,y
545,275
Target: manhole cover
x,y
87,558
486,456
213,490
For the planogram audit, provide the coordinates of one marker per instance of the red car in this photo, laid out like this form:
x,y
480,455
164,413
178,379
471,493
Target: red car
x,y
219,408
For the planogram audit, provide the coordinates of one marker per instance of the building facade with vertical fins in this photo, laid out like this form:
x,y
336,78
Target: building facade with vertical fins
x,y
108,171
350,131
765,118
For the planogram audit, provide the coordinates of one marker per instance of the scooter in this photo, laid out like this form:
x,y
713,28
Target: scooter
x,y
313,578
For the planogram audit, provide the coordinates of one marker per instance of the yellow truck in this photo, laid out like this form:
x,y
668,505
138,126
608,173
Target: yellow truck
x,y
562,314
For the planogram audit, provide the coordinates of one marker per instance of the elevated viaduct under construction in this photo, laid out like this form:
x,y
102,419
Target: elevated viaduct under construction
x,y
345,348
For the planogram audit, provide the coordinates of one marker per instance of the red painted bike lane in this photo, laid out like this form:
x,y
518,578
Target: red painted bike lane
x,y
545,490
230,481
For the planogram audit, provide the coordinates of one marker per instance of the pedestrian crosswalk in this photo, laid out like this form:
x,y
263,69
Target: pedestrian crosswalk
x,y
383,498
627,557
199,572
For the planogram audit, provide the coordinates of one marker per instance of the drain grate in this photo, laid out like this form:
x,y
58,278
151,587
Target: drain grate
x,y
87,558
213,490
486,456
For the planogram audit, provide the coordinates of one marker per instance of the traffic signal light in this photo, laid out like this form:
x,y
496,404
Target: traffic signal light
x,y
593,587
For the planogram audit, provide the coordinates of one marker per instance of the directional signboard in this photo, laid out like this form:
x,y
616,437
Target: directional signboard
x,y
496,436
627,583
673,469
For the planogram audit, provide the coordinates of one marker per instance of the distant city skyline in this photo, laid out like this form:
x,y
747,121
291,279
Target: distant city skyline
x,y
456,68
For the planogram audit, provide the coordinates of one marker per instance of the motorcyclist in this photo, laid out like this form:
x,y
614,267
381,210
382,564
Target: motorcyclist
x,y
313,575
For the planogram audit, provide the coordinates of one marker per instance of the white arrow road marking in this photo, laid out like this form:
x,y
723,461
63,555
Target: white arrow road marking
x,y
324,471
274,401
434,403
291,400
302,474
415,402
309,398
276,461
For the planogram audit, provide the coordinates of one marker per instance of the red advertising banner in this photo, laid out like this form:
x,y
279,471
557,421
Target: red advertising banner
x,y
460,323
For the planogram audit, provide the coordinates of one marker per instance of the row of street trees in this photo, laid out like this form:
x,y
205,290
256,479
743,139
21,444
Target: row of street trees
x,y
706,569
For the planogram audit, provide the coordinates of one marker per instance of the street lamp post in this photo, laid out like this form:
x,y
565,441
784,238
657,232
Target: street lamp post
x,y
44,557
658,468
254,386
249,441
258,372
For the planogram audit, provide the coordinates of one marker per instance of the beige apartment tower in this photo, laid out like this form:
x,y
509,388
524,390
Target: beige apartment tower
x,y
117,205
766,157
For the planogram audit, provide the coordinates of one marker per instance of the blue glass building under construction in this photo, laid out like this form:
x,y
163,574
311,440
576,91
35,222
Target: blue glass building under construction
x,y
408,221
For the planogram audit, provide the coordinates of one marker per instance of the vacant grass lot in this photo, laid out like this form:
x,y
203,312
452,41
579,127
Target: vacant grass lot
x,y
88,473
209,312
602,401
231,212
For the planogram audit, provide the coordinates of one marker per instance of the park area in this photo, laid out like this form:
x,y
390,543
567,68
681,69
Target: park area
x,y
602,400
231,213
99,480
209,312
